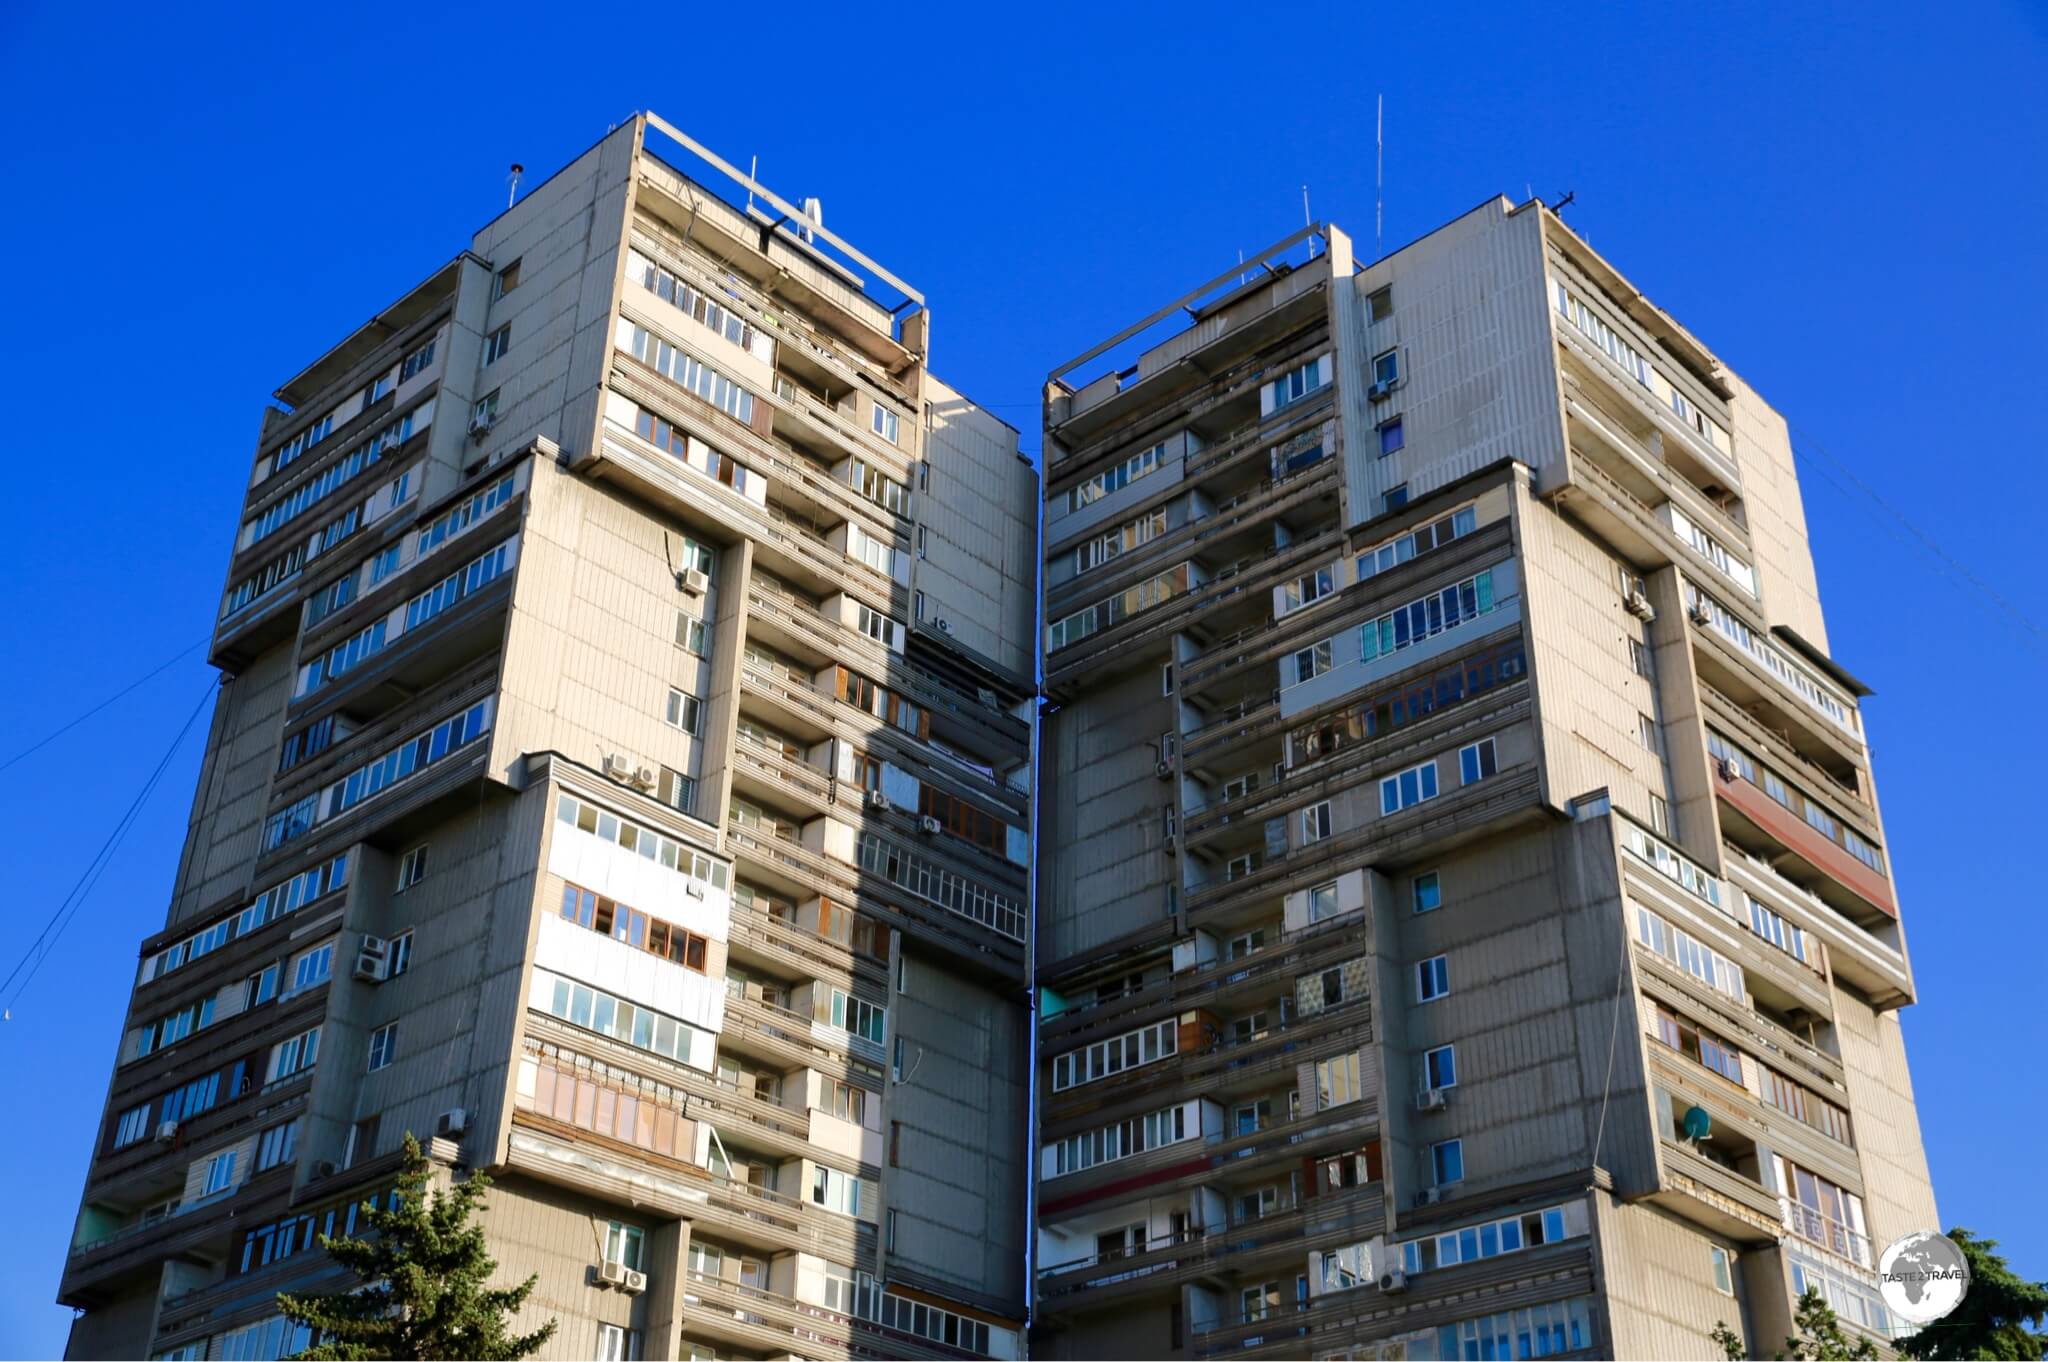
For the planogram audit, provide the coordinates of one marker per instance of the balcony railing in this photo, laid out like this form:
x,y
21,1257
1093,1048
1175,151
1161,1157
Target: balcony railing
x,y
1826,1231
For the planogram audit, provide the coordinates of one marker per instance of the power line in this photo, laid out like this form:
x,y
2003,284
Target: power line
x,y
46,941
1954,566
40,744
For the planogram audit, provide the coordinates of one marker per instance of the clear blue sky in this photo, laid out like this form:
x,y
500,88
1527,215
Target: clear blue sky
x,y
1849,211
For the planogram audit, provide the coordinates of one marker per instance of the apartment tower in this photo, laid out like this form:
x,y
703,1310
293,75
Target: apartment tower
x,y
1464,925
620,781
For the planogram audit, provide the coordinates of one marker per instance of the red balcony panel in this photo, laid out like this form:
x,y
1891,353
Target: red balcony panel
x,y
1794,832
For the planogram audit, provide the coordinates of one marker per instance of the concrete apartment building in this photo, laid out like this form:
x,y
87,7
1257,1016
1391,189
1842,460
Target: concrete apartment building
x,y
621,779
1447,801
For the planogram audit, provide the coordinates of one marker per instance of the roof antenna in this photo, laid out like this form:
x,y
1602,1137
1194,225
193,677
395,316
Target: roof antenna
x,y
1307,221
753,175
512,183
1565,201
1379,177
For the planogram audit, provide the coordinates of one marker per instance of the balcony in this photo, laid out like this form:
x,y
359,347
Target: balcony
x,y
1800,852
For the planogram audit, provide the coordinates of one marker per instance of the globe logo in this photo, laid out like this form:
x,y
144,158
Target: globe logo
x,y
1923,1277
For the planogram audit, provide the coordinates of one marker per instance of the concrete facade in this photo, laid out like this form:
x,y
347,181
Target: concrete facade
x,y
1444,791
620,780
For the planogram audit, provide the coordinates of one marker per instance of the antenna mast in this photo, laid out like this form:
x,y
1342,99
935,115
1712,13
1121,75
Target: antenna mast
x,y
512,184
1307,221
1379,178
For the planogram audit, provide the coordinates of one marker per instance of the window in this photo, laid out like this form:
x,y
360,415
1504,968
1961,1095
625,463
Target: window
x,y
1246,943
1114,544
1254,1302
917,605
1312,662
276,1145
617,1344
1297,383
1121,1140
1477,761
220,1173
677,790
1337,1080
314,967
1115,479
400,955
1379,304
1408,788
1315,822
835,1191
854,1015
1718,1261
132,1126
1447,1162
1410,544
497,343
685,711
1440,1067
1395,498
508,279
656,936
1646,732
1252,1117
628,1023
1429,892
624,1244
1386,367
878,626
1309,588
843,1099
417,361
1428,616
691,635
294,1056
1390,437
412,868
1112,1056
1702,962
1432,978
878,487
383,1046
1639,658
883,423
262,986
1322,902
484,414
1660,816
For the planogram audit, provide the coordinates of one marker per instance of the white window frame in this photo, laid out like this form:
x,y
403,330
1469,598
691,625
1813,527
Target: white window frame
x,y
1436,1162
412,868
383,1047
685,711
1481,754
1430,1077
1432,978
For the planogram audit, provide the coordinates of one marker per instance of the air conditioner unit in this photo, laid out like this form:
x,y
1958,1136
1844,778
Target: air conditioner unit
x,y
612,1272
166,1131
373,959
1726,769
619,768
943,626
692,582
644,777
1393,1280
480,426
928,825
325,1169
1164,770
693,889
1429,1196
633,1283
451,1123
1700,615
1379,392
1432,1099
1639,605
878,800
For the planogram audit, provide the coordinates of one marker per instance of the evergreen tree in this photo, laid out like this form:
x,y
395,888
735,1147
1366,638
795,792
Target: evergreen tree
x,y
1820,1336
1993,1319
424,1273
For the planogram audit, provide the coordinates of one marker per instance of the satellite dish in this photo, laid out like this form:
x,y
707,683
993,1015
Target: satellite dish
x,y
1698,1125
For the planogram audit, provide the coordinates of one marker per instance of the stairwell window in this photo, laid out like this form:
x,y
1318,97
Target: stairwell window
x,y
1311,662
412,868
1432,978
1386,367
1337,1081
496,344
625,1245
508,279
1440,1067
1429,892
1477,761
383,1046
1391,438
1447,1162
685,712
1315,822
691,636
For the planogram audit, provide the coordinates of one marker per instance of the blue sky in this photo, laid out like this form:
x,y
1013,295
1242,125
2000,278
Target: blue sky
x,y
1848,210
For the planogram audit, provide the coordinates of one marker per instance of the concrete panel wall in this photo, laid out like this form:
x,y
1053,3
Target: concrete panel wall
x,y
230,803
979,514
1663,1299
1898,1196
1776,516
